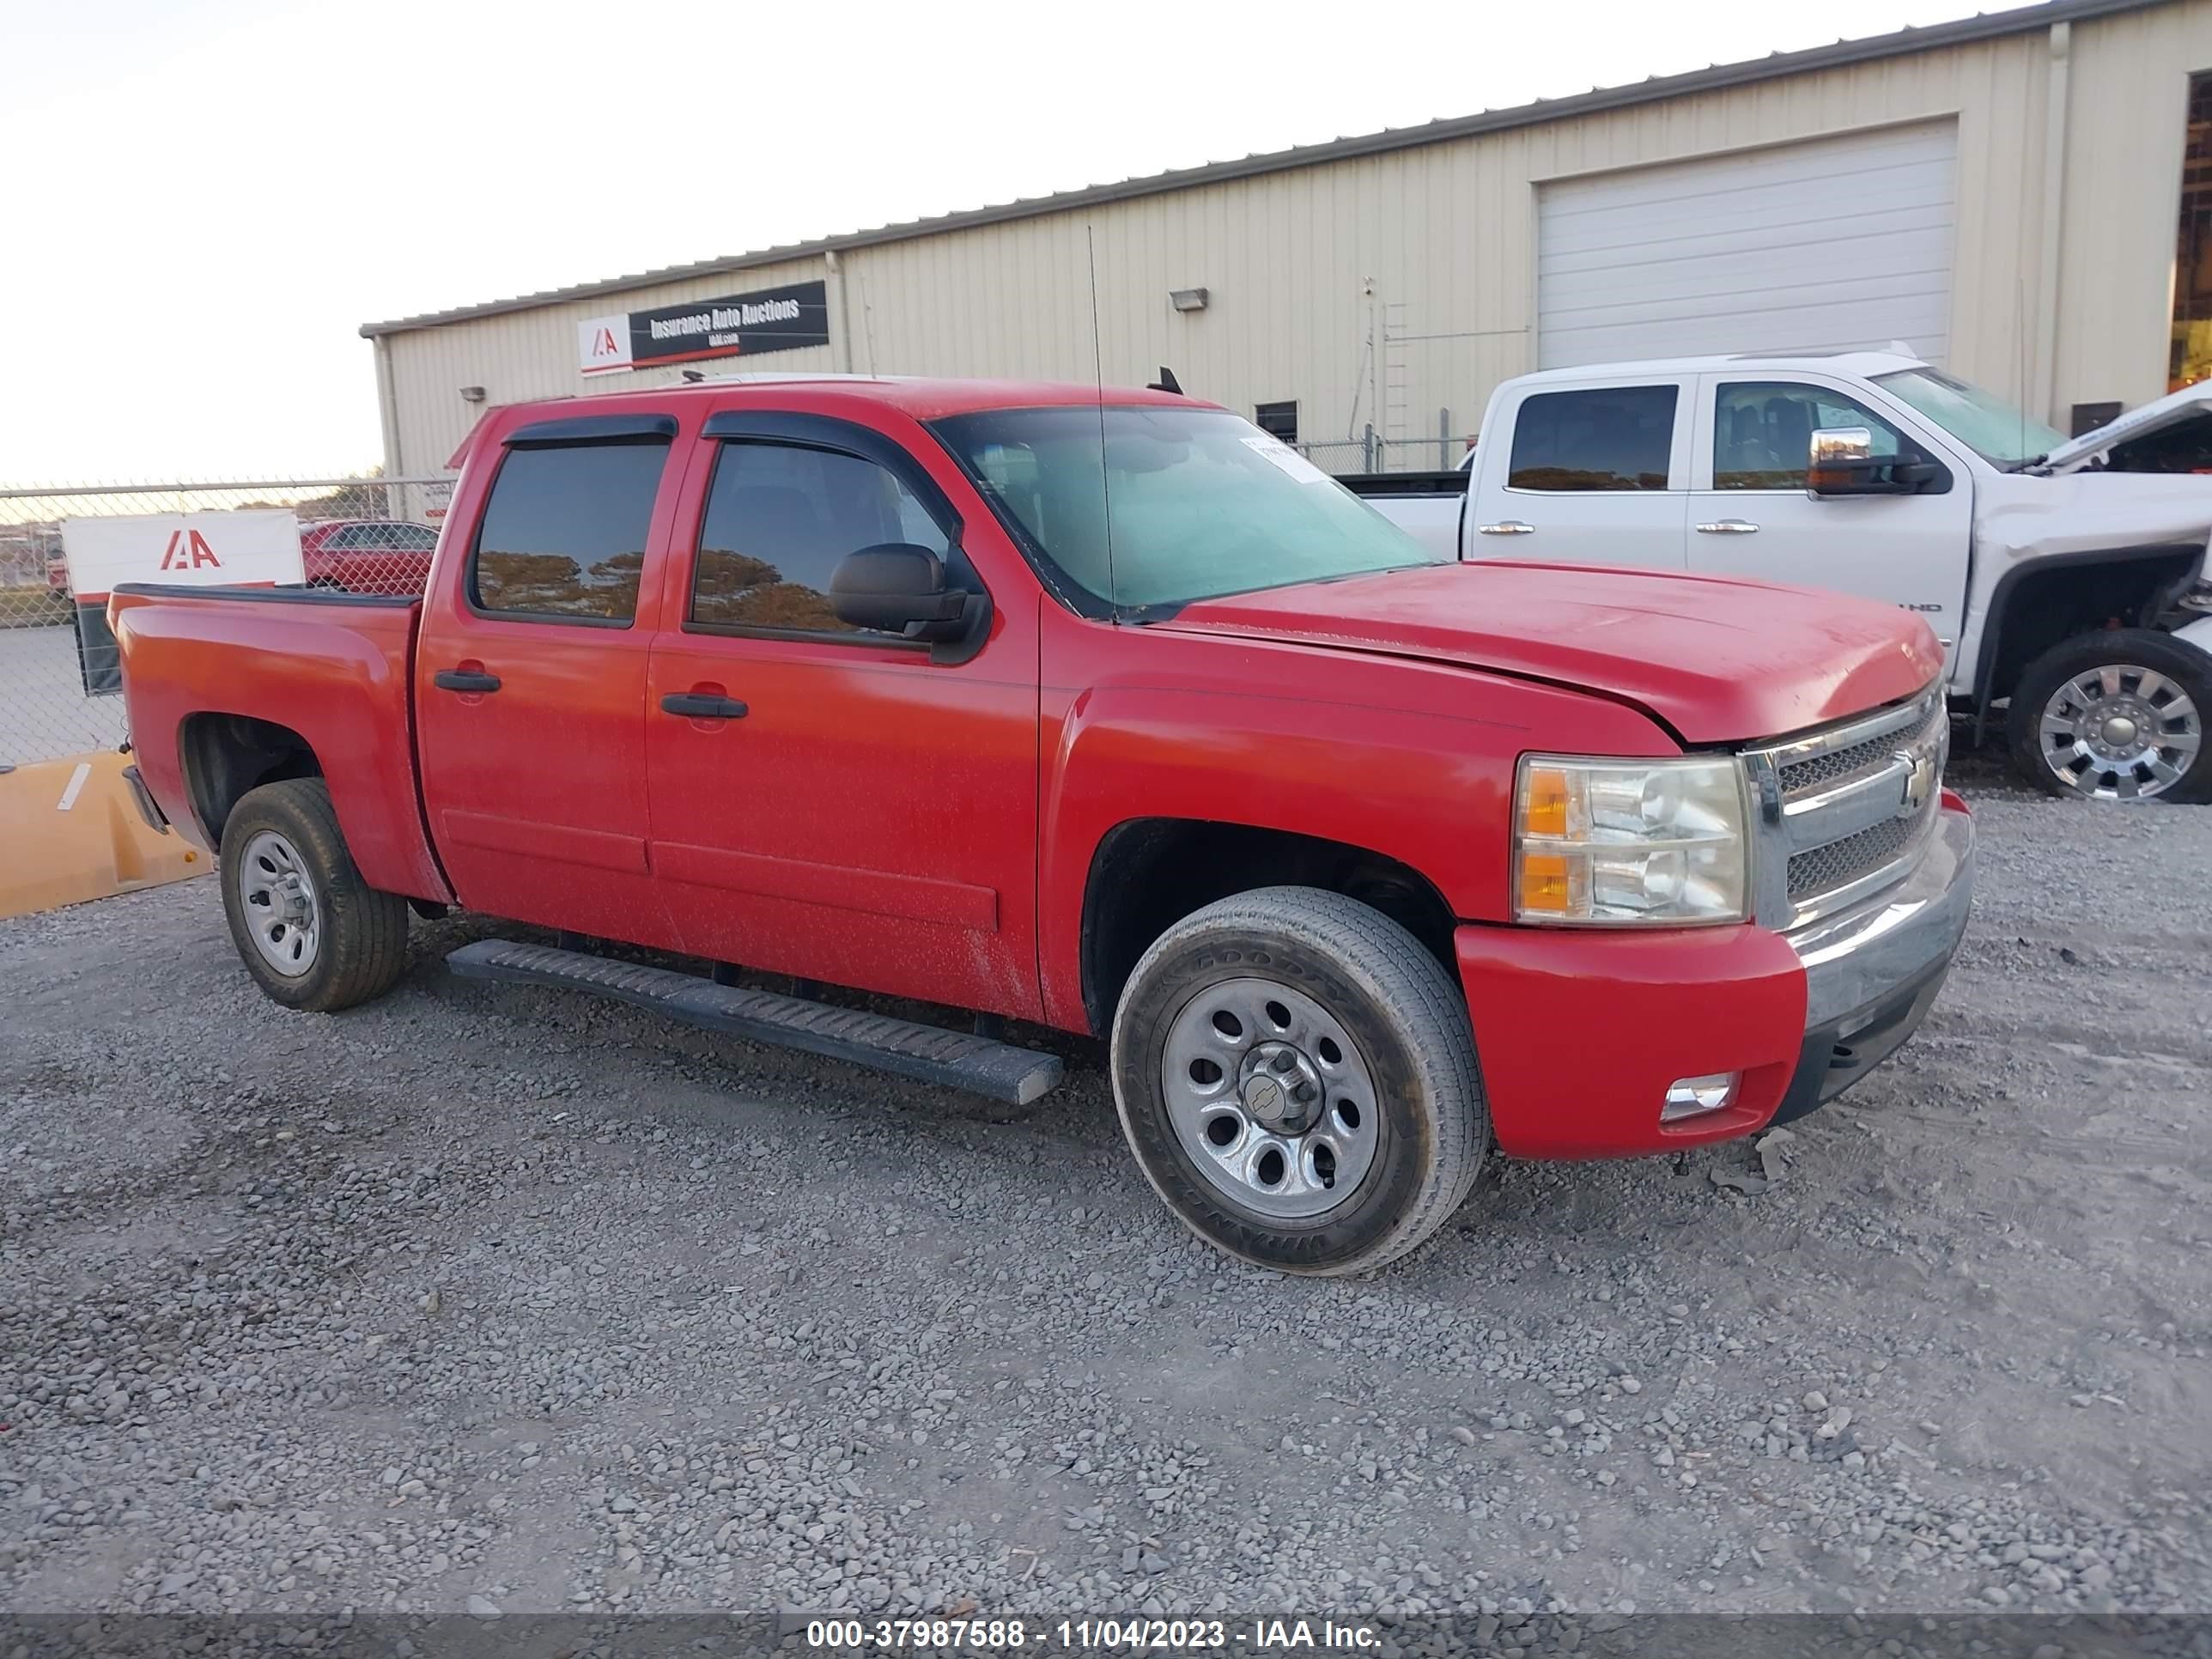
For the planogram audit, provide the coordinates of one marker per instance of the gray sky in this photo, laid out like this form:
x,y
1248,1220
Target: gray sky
x,y
207,198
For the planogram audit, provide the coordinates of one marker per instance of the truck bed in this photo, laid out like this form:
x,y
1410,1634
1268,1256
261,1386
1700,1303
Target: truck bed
x,y
1382,484
335,668
1426,505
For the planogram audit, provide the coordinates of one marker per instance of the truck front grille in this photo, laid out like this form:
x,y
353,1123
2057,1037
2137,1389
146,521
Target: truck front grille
x,y
1840,863
1848,810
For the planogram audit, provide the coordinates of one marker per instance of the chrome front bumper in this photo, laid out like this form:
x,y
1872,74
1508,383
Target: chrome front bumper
x,y
1872,972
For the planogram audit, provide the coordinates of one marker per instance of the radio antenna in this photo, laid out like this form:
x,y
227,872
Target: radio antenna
x,y
1099,376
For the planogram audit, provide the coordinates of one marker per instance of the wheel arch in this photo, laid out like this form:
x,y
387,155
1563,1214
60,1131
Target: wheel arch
x,y
224,757
2037,604
1147,873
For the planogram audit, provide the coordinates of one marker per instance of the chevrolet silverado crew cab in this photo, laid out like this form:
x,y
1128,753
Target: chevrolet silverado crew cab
x,y
2064,578
1103,711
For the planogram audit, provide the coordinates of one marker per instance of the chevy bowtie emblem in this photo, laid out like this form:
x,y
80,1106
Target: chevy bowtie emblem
x,y
1919,780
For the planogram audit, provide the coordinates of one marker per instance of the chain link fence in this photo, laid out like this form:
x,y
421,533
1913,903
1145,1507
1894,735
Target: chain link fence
x,y
1349,457
59,673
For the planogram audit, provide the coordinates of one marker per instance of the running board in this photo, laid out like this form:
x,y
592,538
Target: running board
x,y
927,1052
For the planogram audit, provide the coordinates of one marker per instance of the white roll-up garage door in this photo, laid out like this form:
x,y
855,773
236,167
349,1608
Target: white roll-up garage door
x,y
1832,245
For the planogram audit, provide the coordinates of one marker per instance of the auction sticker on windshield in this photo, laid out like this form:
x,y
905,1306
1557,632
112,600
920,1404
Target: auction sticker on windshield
x,y
1289,459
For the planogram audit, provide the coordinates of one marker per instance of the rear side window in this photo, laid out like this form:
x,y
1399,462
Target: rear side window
x,y
564,535
393,537
779,519
1605,438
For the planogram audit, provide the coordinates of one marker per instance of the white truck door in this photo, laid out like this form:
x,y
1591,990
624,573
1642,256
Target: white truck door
x,y
1585,472
1750,514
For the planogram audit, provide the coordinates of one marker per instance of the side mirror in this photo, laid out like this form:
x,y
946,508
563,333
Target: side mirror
x,y
1841,461
896,587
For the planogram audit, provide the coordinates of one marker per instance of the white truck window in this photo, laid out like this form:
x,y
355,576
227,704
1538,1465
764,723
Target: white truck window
x,y
1763,431
1615,437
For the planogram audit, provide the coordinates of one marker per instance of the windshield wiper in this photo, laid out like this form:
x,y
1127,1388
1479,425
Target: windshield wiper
x,y
2026,463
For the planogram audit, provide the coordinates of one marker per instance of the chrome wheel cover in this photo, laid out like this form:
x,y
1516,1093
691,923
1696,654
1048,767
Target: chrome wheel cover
x,y
1271,1098
2120,733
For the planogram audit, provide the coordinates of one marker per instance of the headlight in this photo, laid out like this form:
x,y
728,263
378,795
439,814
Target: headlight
x,y
1641,841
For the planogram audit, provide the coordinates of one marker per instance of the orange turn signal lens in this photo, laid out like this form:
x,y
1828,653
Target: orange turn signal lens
x,y
1546,889
1544,803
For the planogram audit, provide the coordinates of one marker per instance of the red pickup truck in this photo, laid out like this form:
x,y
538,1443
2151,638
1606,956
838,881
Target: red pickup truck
x,y
1105,711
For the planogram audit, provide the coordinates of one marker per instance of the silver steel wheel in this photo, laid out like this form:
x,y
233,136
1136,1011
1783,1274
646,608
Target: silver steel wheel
x,y
1271,1098
2120,733
283,910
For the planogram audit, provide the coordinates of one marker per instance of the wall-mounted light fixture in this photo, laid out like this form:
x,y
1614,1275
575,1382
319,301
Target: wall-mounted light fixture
x,y
1188,299
472,394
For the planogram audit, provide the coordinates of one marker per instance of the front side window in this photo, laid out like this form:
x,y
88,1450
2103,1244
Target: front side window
x,y
780,517
1763,432
563,534
1615,437
1154,505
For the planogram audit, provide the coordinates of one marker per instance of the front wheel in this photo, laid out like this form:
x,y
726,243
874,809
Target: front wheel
x,y
1296,1077
2115,715
311,932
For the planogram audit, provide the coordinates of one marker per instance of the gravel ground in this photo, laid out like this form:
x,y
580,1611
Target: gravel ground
x,y
490,1298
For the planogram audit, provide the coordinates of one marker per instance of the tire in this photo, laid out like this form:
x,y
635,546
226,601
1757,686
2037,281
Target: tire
x,y
310,931
1314,974
2075,698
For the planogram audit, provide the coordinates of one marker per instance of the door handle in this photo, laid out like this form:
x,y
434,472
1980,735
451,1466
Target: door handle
x,y
691,706
1506,528
1729,527
464,680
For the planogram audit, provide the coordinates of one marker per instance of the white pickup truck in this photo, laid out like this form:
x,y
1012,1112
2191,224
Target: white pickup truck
x,y
2065,577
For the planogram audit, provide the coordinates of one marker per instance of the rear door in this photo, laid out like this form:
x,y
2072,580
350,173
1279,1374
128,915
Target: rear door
x,y
1589,472
530,680
828,801
1750,514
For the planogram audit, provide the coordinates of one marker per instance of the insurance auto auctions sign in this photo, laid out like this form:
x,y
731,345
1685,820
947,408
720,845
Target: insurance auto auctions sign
x,y
743,324
255,547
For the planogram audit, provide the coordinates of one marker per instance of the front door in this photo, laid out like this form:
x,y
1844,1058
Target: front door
x,y
1750,514
529,686
1595,473
828,801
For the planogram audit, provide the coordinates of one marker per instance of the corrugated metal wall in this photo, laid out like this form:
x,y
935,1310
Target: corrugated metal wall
x,y
1323,280
523,354
2128,95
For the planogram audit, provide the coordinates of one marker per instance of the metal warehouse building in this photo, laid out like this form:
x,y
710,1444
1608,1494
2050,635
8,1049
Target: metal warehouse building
x,y
2018,197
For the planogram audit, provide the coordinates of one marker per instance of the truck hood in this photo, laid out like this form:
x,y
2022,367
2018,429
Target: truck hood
x,y
2154,416
1715,660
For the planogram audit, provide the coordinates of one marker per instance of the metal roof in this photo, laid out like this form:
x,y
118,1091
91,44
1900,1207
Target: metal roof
x,y
1983,26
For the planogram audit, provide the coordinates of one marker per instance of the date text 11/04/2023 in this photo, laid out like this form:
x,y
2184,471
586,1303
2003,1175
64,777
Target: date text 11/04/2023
x,y
1087,1635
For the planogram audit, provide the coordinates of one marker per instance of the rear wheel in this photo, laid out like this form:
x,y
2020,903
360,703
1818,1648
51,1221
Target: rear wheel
x,y
311,932
1298,1081
2115,715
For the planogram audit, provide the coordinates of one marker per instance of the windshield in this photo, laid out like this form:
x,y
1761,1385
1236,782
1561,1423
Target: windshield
x,y
1985,422
1202,503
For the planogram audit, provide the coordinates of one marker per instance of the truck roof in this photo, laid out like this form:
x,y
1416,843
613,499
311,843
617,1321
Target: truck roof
x,y
924,397
1863,364
921,397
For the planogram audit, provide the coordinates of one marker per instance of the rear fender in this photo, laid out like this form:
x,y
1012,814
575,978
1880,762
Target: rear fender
x,y
333,669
